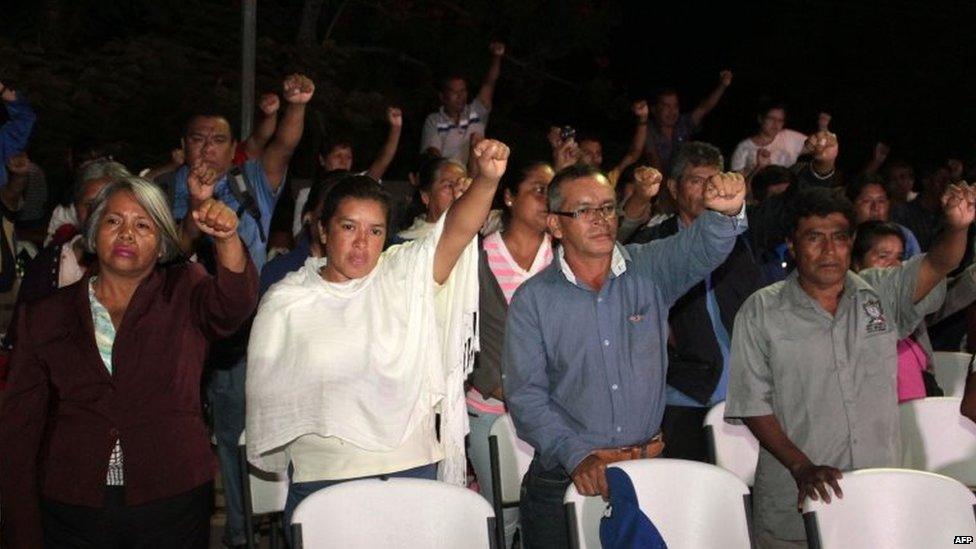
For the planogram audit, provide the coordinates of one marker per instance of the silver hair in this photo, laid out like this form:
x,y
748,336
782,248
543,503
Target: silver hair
x,y
571,173
99,169
693,154
152,199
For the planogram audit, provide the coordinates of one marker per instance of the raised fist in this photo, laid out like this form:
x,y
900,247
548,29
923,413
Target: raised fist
x,y
395,117
763,158
823,146
647,182
269,103
496,48
492,158
725,77
460,186
298,89
7,94
18,164
177,157
640,110
216,219
823,121
200,182
959,205
725,193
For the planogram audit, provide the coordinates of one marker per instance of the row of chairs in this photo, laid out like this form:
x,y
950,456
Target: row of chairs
x,y
935,438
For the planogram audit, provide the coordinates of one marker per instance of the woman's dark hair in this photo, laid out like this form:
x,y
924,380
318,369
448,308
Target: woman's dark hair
x,y
318,191
360,187
868,234
512,180
428,171
818,202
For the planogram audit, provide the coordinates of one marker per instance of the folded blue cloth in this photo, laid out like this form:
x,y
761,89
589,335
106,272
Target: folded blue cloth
x,y
625,526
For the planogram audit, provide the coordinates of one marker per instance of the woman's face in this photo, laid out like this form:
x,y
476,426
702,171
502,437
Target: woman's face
x,y
127,238
530,206
886,252
353,239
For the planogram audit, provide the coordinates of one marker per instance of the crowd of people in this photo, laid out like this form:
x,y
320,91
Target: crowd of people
x,y
605,310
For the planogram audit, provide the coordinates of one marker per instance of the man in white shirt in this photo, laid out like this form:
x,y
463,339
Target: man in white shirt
x,y
773,144
448,131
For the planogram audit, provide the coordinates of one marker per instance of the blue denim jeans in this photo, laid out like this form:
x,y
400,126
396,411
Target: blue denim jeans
x,y
297,491
226,395
541,509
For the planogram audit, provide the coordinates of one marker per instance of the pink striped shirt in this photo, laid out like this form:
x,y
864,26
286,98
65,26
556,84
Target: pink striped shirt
x,y
507,271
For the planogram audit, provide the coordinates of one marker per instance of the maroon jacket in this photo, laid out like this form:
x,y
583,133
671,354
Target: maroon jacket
x,y
62,411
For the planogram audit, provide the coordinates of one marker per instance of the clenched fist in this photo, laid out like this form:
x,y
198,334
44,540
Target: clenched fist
x,y
200,182
959,205
269,103
395,117
497,48
492,158
640,110
823,146
298,89
725,193
725,77
216,219
647,182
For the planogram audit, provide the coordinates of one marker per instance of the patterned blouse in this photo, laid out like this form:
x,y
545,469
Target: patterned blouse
x,y
105,340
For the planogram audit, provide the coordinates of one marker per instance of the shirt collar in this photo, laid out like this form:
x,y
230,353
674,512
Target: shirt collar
x,y
618,263
798,297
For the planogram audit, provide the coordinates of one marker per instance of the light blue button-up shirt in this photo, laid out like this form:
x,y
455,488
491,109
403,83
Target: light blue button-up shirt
x,y
586,369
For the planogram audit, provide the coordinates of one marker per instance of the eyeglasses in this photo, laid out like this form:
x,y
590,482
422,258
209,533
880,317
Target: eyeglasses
x,y
607,211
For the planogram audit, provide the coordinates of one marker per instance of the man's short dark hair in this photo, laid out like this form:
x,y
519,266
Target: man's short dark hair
x,y
663,92
856,187
694,154
769,176
818,202
447,78
868,234
360,187
332,144
576,171
211,113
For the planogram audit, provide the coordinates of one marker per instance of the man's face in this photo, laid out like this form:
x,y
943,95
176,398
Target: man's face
x,y
772,122
208,138
689,191
872,204
591,153
666,110
454,96
595,237
821,247
886,252
83,204
442,192
339,158
902,180
353,239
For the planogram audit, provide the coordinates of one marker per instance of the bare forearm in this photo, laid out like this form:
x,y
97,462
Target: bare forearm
x,y
189,233
709,103
947,251
772,437
637,207
469,212
487,90
291,127
637,143
263,133
382,162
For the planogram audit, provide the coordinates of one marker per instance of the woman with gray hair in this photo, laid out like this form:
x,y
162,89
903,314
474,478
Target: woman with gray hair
x,y
102,438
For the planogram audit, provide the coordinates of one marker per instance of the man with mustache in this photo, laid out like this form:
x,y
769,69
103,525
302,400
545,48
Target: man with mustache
x,y
585,351
814,357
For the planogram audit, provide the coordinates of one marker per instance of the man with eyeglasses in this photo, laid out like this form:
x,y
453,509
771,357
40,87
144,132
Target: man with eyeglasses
x,y
585,351
814,357
701,320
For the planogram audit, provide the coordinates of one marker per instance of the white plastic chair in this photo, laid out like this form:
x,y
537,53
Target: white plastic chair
x,y
396,513
510,458
894,509
935,437
731,447
951,370
264,494
692,504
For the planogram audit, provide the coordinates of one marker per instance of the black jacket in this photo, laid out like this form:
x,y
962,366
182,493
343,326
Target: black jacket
x,y
694,357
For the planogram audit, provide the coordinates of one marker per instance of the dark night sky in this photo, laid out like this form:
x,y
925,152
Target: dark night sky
x,y
899,71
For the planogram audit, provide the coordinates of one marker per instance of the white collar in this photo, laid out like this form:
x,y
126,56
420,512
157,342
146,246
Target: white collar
x,y
618,263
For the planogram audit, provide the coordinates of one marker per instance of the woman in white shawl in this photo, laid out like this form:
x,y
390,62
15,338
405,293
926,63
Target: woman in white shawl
x,y
352,356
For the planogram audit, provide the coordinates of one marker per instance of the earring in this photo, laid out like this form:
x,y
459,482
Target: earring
x,y
508,203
